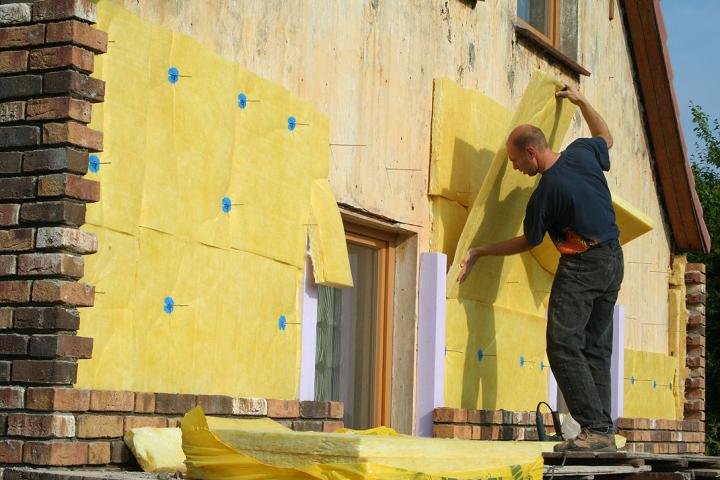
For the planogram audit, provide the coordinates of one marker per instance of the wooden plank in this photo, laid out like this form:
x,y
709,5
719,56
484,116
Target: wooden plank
x,y
705,473
592,470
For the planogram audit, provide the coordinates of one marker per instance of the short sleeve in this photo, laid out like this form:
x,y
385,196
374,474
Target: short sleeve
x,y
598,146
535,223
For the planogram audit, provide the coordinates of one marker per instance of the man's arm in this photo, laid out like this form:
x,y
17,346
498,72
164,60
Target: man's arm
x,y
598,127
506,247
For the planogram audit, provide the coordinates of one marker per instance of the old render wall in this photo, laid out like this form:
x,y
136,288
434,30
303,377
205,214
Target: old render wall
x,y
369,66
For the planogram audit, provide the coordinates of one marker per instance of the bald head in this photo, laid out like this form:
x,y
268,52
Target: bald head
x,y
527,135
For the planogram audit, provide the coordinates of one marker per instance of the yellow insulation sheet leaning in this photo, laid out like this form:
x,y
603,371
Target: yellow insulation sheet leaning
x,y
651,385
223,449
206,200
502,293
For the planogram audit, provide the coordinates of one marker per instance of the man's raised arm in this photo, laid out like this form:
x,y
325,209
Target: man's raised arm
x,y
598,127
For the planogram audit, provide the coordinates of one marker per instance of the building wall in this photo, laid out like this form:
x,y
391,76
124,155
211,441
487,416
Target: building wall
x,y
369,66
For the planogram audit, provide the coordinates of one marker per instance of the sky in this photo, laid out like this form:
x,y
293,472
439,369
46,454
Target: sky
x,y
692,28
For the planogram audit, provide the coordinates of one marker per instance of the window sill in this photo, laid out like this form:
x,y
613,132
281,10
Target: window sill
x,y
530,36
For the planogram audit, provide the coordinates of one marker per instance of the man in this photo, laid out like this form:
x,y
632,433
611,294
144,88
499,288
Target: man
x,y
572,203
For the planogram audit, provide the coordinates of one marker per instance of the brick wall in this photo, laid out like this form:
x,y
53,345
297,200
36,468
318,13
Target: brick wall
x,y
63,426
643,435
695,382
47,50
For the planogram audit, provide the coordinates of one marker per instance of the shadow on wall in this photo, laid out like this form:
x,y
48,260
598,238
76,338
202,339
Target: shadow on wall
x,y
501,220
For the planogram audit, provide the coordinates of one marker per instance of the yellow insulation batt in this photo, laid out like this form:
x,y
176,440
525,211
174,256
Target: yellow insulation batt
x,y
212,179
224,449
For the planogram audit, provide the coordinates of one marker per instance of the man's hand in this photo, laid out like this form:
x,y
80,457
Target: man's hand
x,y
467,263
572,94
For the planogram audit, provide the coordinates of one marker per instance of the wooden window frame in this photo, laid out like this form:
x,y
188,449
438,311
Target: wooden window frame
x,y
384,245
550,43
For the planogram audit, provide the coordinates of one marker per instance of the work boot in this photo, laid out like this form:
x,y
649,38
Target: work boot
x,y
589,441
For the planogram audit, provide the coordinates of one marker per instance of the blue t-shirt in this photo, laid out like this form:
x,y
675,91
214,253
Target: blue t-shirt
x,y
572,201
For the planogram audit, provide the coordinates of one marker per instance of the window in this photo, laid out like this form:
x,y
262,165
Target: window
x,y
354,332
553,24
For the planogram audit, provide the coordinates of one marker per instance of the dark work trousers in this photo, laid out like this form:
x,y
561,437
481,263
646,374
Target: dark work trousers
x,y
580,331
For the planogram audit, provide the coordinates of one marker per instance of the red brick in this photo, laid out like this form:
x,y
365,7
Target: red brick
x,y
73,186
174,403
695,340
63,9
59,108
44,371
12,397
216,404
695,267
637,435
34,425
57,453
144,402
19,239
492,417
10,164
697,319
17,188
695,393
98,453
13,61
25,36
6,318
174,422
250,406
11,451
13,344
312,409
75,83
5,368
12,111
72,133
463,432
450,415
142,421
58,399
112,401
695,405
20,86
283,408
697,372
695,298
19,136
99,426
78,33
50,264
14,291
695,362
46,318
695,277
337,410
307,425
9,214
57,211
120,453
63,238
73,293
13,13
330,426
8,265
64,159
58,57
53,346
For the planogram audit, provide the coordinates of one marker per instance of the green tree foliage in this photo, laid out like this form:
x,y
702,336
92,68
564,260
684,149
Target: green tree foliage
x,y
706,167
